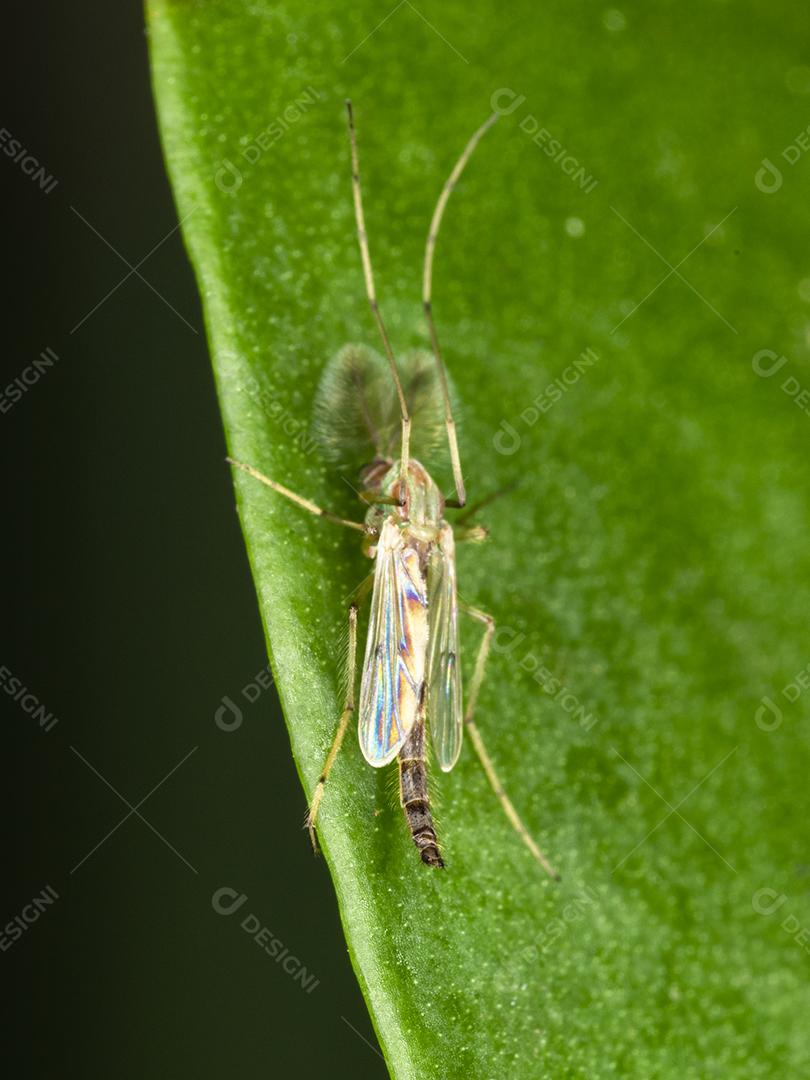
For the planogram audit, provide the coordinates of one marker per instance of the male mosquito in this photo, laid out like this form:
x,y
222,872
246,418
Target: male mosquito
x,y
411,678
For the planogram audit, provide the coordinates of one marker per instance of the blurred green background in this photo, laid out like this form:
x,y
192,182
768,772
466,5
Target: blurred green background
x,y
130,635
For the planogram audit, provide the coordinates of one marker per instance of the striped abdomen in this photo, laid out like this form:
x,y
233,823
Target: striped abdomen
x,y
413,794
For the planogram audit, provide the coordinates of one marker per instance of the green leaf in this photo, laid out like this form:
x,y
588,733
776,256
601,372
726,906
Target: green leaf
x,y
608,273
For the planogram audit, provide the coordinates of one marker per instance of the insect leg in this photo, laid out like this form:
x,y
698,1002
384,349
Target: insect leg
x,y
472,510
476,534
299,500
478,742
427,286
365,257
343,723
374,498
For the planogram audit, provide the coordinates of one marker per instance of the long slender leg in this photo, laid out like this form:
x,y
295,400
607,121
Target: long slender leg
x,y
480,749
476,507
427,287
343,723
365,256
374,498
299,500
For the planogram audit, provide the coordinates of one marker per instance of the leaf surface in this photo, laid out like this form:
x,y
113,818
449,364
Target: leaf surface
x,y
608,273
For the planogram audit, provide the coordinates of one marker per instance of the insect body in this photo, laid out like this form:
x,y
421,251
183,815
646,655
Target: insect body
x,y
411,679
410,670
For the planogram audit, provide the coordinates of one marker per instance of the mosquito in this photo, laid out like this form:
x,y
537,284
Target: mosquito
x,y
411,678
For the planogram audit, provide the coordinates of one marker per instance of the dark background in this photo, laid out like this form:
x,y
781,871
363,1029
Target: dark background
x,y
130,614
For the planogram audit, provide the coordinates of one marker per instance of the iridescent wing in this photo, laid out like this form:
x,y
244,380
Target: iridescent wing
x,y
444,672
396,647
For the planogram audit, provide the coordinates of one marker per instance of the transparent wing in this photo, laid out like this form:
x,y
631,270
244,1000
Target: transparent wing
x,y
396,647
444,670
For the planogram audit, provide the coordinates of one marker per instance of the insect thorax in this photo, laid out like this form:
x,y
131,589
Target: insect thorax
x,y
422,509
